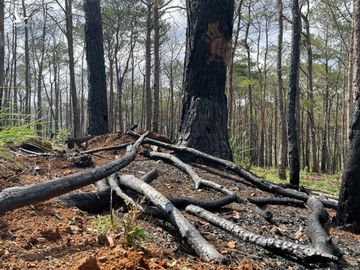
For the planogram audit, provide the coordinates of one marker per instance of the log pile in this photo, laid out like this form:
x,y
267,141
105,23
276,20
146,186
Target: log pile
x,y
111,183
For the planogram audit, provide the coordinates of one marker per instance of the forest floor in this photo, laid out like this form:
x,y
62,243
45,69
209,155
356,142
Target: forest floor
x,y
50,236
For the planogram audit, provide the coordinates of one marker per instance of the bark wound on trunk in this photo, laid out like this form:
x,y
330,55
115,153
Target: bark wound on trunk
x,y
204,113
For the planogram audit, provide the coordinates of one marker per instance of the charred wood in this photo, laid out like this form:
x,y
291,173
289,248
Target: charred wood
x,y
294,249
16,197
188,231
260,183
276,201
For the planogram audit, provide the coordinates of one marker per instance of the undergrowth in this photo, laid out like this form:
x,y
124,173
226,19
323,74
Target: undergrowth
x,y
131,233
327,183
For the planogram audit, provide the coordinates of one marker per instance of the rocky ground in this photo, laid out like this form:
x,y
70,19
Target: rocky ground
x,y
50,236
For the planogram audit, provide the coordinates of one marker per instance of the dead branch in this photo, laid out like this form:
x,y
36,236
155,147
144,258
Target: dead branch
x,y
315,231
188,231
198,181
260,183
294,249
276,201
16,197
206,204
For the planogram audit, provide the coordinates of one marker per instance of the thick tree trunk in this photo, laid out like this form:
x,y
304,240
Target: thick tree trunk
x,y
294,160
97,100
349,201
204,112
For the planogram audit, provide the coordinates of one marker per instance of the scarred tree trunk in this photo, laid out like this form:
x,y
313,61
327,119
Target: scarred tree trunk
x,y
97,101
204,112
349,201
294,160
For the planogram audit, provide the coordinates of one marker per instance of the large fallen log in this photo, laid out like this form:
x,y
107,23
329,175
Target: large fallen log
x,y
188,231
260,183
15,197
315,231
291,248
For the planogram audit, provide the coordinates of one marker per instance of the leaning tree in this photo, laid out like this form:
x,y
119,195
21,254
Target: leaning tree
x,y
208,51
349,202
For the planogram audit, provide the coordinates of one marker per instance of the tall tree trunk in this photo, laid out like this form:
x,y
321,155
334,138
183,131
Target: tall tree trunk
x,y
204,112
16,108
293,142
39,126
27,64
73,93
97,100
230,90
282,115
156,66
148,67
349,201
2,52
310,115
324,144
252,139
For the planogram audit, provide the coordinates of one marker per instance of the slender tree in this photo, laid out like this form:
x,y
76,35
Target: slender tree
x,y
204,112
293,143
282,114
97,100
2,52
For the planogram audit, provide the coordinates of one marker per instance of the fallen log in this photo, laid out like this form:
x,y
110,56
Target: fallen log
x,y
15,197
188,231
260,183
276,201
96,202
291,248
78,141
320,240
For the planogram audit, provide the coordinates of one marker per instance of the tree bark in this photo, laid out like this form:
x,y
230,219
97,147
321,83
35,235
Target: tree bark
x,y
349,200
293,143
204,112
2,53
97,100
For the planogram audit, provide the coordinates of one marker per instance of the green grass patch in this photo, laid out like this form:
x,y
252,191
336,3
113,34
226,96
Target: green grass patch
x,y
326,183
